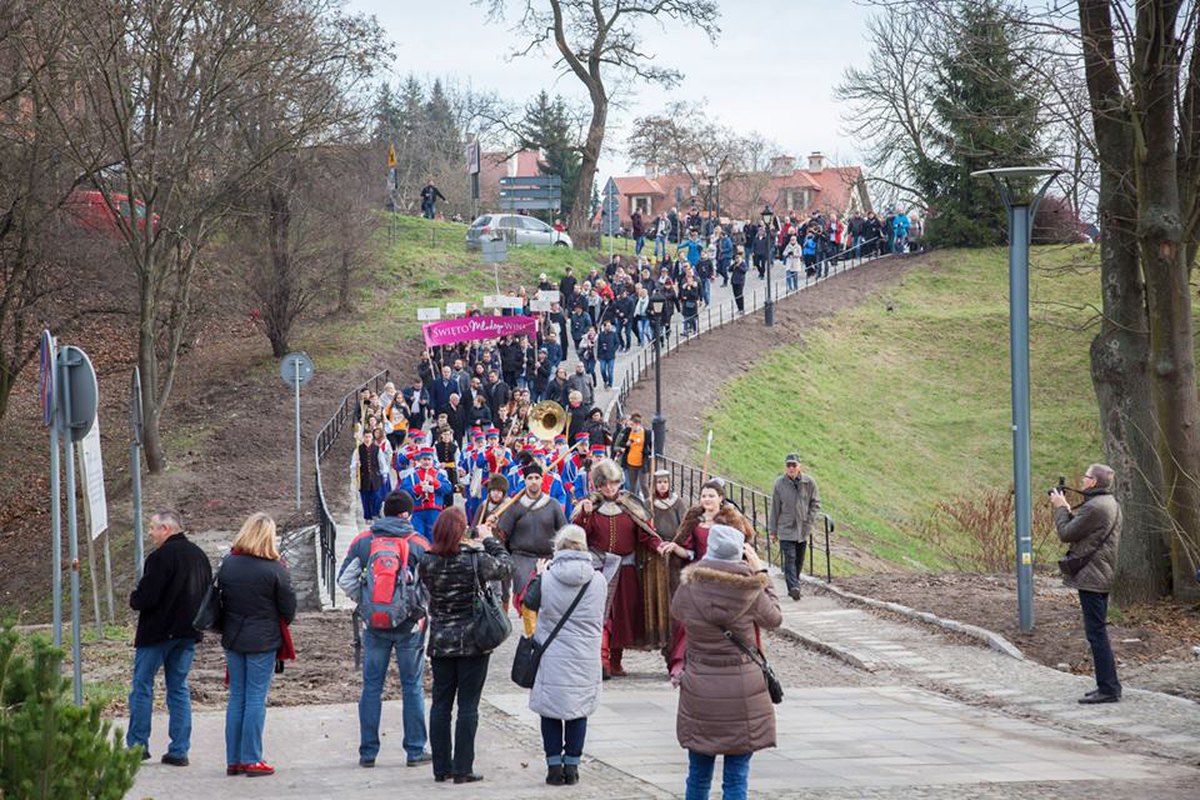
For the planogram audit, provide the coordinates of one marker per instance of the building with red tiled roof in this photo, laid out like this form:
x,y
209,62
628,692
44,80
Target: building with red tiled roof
x,y
820,187
494,166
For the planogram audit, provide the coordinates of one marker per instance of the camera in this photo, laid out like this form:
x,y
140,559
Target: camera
x,y
1060,487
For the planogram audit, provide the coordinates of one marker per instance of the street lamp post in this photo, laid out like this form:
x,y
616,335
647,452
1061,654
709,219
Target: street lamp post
x,y
769,306
659,424
1022,206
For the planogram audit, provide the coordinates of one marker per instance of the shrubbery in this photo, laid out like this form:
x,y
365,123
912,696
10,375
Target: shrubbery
x,y
49,748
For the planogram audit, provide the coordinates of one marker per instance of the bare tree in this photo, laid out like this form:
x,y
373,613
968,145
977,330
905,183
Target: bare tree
x,y
597,40
162,83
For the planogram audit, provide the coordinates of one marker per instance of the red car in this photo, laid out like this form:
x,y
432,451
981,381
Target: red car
x,y
88,208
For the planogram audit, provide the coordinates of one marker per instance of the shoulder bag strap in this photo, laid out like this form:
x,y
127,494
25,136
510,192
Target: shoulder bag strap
x,y
562,621
756,656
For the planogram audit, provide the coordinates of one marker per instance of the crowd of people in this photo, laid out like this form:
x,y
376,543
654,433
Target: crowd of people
x,y
472,500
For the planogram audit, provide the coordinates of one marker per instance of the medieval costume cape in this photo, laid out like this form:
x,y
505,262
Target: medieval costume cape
x,y
639,613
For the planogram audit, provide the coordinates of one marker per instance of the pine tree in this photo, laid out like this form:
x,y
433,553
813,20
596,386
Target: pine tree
x,y
49,748
985,115
547,126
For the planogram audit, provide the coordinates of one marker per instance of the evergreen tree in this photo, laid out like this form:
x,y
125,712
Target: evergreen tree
x,y
442,133
985,113
50,749
547,126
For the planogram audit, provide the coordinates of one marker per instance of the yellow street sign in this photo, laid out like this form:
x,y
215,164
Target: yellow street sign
x,y
391,155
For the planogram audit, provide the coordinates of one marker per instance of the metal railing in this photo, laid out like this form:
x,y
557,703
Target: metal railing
x,y
347,411
754,505
719,314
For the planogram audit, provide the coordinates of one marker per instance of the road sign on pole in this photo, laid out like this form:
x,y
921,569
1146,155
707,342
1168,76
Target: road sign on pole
x,y
50,413
135,468
296,369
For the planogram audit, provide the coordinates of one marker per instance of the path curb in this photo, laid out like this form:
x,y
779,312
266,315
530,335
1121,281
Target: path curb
x,y
992,639
824,648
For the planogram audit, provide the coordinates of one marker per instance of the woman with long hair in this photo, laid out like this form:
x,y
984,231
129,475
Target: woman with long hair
x,y
689,545
257,602
452,569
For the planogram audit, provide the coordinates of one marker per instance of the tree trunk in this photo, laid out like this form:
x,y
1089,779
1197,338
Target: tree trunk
x,y
345,304
280,285
156,460
1163,253
580,223
1120,352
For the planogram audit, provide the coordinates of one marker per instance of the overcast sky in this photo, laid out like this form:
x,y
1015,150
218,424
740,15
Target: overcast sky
x,y
772,69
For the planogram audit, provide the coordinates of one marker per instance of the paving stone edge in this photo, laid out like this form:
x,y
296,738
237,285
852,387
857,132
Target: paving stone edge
x,y
992,639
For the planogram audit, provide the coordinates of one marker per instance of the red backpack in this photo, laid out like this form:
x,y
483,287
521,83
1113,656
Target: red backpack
x,y
394,594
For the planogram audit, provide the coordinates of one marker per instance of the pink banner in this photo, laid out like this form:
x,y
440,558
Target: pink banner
x,y
470,328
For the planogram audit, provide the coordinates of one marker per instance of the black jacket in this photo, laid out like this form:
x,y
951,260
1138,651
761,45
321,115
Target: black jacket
x,y
737,272
498,396
256,593
451,584
174,580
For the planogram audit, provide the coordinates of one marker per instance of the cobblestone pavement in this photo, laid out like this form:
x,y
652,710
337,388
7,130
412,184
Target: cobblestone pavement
x,y
915,727
1144,722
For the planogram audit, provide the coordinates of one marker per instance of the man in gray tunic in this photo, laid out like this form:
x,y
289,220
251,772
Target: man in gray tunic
x,y
528,528
794,506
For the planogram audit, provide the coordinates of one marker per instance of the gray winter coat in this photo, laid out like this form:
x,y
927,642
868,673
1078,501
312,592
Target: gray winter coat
x,y
568,679
794,507
1084,530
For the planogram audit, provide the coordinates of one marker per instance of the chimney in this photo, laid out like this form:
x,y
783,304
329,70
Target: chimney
x,y
650,169
816,161
782,166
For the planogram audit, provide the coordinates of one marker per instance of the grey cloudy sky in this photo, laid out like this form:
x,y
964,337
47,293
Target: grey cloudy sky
x,y
772,69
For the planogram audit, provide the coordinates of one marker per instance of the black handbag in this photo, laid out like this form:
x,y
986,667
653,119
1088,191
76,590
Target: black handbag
x,y
774,687
529,652
208,615
490,626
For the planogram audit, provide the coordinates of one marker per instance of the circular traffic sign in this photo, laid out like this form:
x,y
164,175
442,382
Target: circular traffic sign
x,y
80,394
296,367
46,377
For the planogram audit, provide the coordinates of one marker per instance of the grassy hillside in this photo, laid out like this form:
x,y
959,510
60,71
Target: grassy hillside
x,y
895,411
421,263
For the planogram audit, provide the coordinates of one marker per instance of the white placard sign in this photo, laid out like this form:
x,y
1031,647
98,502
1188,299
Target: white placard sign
x,y
429,314
453,309
503,301
549,295
91,465
540,305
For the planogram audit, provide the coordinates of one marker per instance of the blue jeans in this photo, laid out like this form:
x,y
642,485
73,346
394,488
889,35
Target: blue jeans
x,y
249,679
643,330
1095,618
606,370
563,739
410,662
175,657
639,243
706,291
793,280
734,784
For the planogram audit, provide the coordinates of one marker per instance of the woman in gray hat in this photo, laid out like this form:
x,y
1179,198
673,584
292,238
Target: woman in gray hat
x,y
724,706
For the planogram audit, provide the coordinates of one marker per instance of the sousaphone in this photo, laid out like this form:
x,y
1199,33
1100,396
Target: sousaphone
x,y
547,419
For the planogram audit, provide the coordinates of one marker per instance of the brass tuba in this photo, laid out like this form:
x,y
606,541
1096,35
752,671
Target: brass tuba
x,y
547,419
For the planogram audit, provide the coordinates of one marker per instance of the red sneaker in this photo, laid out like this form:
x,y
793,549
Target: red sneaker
x,y
258,769
235,769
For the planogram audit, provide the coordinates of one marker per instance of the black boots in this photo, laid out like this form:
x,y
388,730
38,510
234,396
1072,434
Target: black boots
x,y
554,775
570,774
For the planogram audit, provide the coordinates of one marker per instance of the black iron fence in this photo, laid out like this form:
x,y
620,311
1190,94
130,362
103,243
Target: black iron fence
x,y
348,412
755,507
683,331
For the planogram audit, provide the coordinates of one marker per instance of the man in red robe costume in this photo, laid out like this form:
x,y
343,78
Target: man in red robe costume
x,y
618,525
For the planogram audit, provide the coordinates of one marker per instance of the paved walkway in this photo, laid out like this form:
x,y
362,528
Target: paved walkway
x,y
932,718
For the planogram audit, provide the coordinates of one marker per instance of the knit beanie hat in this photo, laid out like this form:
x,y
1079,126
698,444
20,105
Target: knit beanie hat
x,y
725,543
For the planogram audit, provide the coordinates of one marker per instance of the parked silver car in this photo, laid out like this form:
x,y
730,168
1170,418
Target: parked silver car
x,y
515,229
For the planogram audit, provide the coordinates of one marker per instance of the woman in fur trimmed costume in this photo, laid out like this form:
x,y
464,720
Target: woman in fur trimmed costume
x,y
690,544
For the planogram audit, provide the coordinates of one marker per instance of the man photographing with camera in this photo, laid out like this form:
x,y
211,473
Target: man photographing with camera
x,y
1093,531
